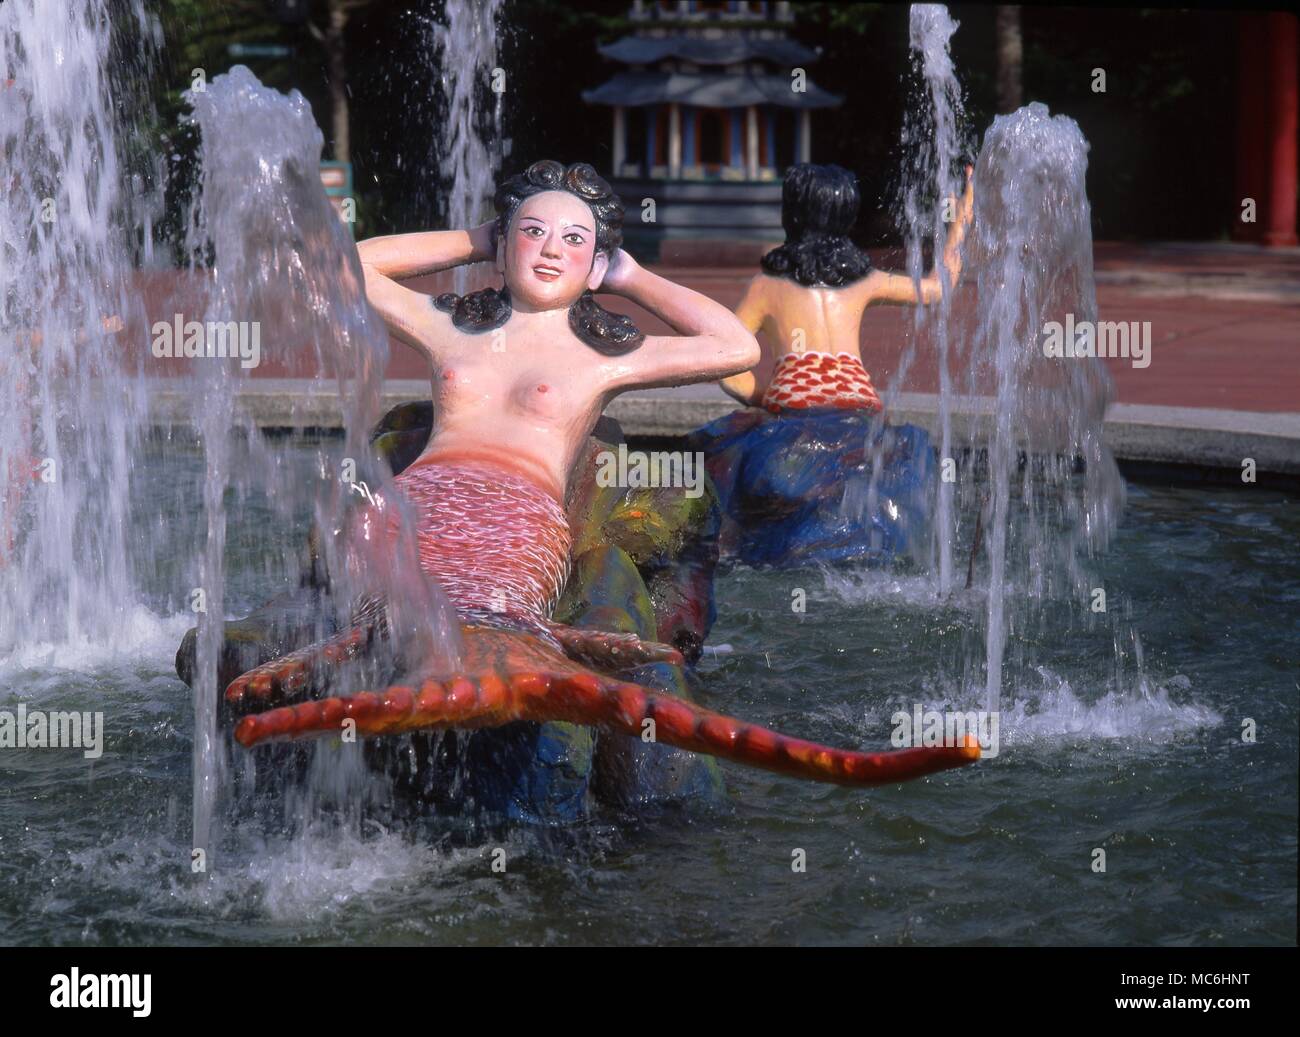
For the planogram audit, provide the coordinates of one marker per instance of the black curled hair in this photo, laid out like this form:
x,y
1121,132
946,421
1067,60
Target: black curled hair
x,y
818,207
609,333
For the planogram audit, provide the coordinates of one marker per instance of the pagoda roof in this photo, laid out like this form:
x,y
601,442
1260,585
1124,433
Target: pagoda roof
x,y
707,90
720,50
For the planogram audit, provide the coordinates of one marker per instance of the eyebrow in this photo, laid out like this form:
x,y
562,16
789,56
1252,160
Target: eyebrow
x,y
538,219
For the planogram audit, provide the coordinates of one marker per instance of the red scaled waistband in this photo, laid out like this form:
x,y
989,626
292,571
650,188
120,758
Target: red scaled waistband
x,y
802,381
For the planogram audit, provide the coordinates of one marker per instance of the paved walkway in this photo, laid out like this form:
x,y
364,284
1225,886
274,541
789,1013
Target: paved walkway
x,y
1223,382
1225,324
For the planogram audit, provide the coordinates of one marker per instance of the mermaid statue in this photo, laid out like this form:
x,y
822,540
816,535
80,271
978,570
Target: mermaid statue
x,y
794,467
521,375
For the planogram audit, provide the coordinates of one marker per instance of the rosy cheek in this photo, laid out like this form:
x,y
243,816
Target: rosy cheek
x,y
579,259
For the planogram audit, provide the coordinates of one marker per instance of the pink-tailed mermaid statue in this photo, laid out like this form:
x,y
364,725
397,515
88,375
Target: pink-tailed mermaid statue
x,y
520,376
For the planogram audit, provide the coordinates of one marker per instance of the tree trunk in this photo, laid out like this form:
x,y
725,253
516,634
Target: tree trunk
x,y
1010,55
336,63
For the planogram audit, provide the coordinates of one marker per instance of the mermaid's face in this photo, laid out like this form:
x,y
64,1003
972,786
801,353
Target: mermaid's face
x,y
549,256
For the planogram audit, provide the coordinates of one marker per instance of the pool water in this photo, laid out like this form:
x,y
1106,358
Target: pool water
x,y
1120,732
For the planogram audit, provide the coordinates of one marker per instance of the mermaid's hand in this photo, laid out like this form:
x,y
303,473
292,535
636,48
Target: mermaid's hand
x,y
957,232
966,208
483,242
622,272
962,208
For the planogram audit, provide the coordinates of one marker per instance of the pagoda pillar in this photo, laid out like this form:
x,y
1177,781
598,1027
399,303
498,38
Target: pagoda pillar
x,y
674,141
751,143
805,135
620,140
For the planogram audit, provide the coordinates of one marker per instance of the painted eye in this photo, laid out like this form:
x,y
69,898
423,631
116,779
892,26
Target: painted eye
x,y
533,231
574,239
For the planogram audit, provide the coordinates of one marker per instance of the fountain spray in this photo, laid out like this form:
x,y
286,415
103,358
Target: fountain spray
x,y
266,245
76,199
1031,245
467,54
934,182
1030,250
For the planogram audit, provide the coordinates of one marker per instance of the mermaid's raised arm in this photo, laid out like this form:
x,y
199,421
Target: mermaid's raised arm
x,y
711,342
881,286
402,256
387,260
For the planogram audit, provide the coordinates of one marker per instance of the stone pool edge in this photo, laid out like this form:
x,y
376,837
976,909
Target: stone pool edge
x,y
1195,436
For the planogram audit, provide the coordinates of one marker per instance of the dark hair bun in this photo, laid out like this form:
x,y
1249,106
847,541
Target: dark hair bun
x,y
819,205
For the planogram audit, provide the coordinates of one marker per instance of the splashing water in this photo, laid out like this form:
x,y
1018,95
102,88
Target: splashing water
x,y
467,54
1031,244
931,180
935,175
266,247
75,195
1029,252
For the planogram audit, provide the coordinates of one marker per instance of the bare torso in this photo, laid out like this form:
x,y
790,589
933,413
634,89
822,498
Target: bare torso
x,y
525,396
794,318
789,317
798,320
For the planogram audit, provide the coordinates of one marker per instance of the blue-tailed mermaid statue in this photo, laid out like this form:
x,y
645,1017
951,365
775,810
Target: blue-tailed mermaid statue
x,y
794,469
